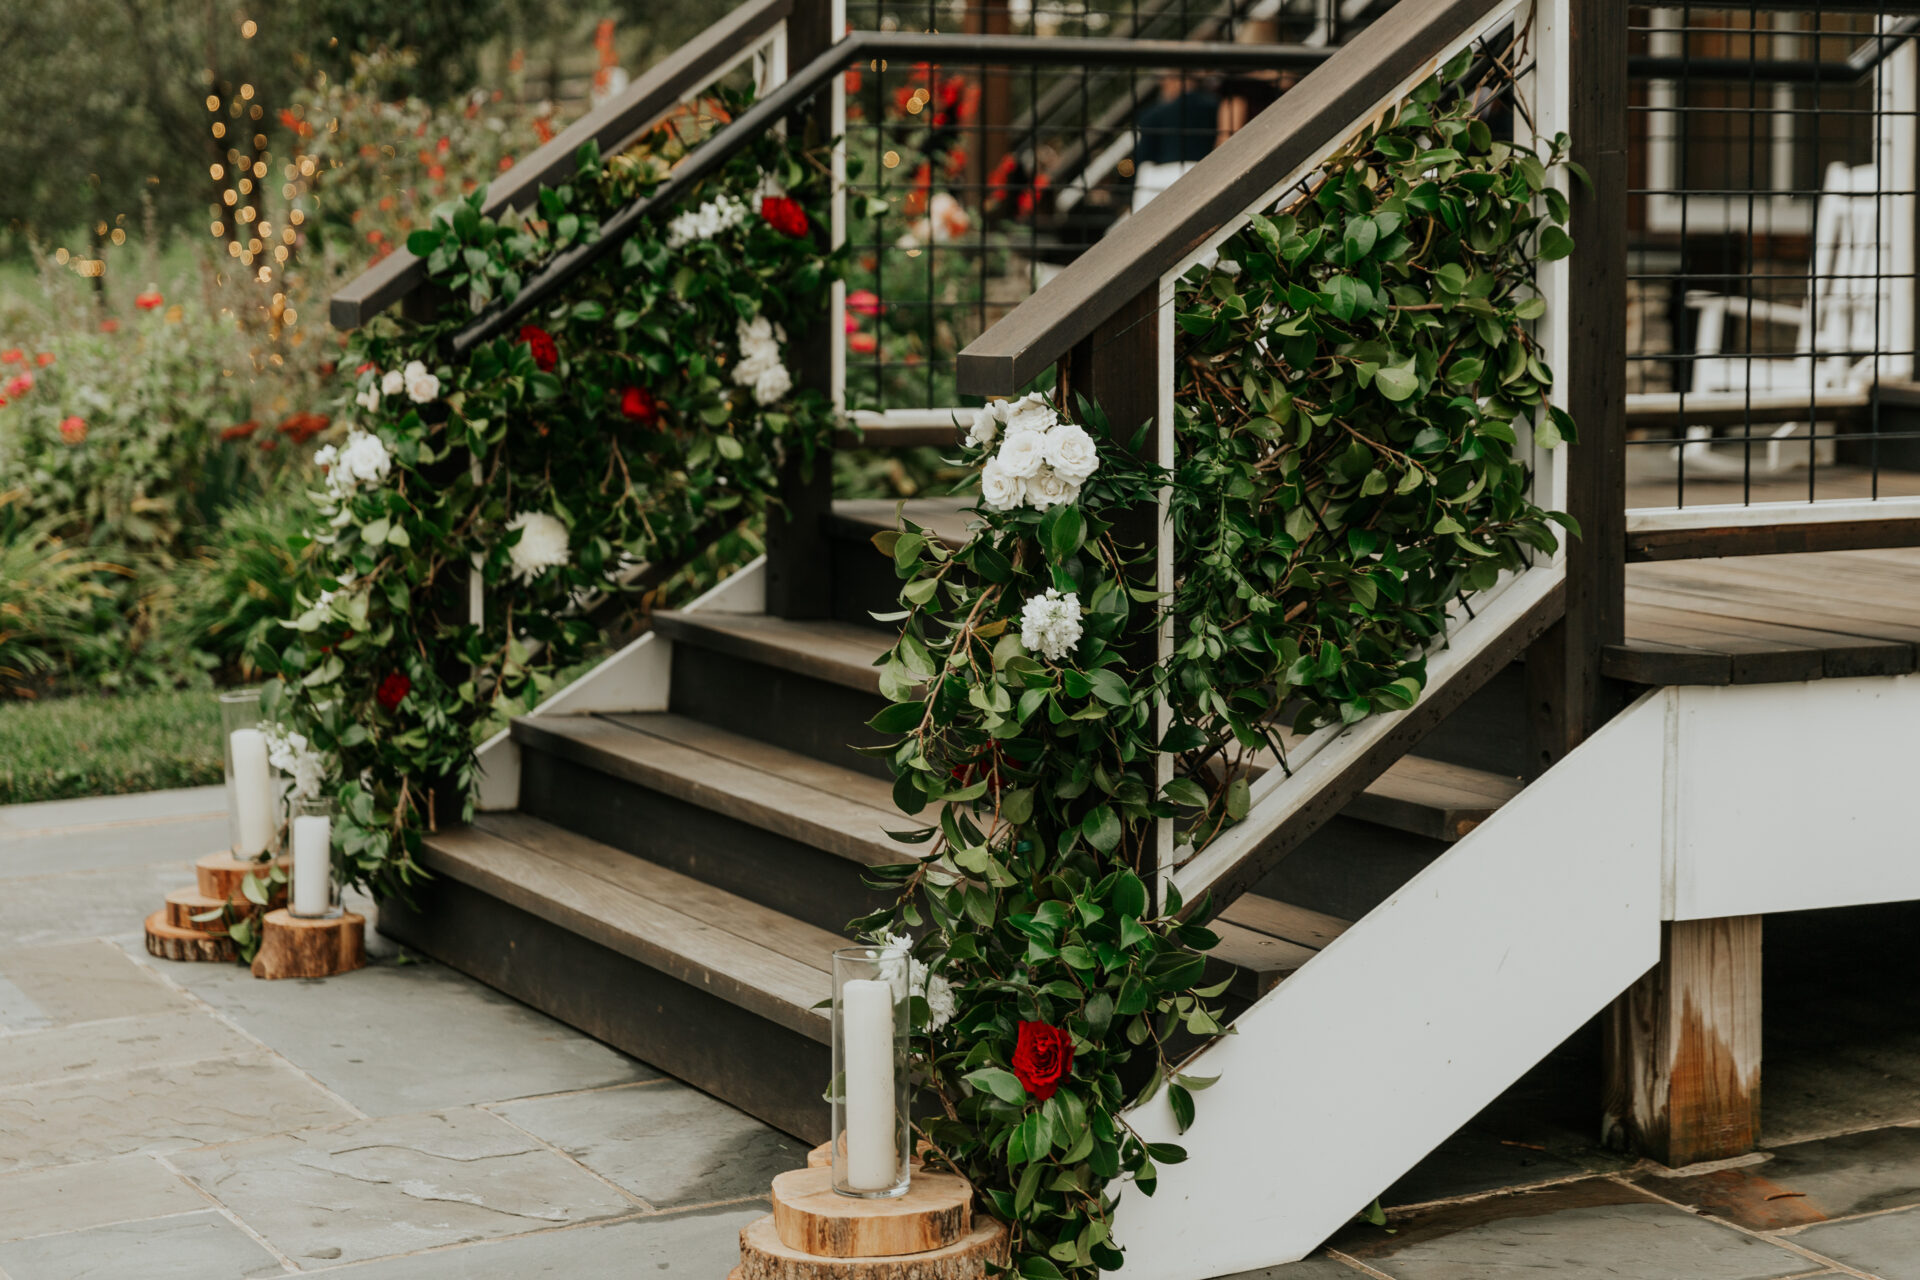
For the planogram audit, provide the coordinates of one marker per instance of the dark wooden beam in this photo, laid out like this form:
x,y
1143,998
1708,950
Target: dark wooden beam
x,y
1773,539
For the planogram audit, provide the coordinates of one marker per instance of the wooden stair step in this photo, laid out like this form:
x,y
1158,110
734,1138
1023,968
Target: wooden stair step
x,y
751,956
860,518
1433,798
841,653
796,796
1267,940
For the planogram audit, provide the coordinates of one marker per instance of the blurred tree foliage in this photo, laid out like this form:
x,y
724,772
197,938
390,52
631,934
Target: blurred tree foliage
x,y
107,99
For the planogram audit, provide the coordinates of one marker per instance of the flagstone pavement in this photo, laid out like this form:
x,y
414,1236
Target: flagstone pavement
x,y
407,1123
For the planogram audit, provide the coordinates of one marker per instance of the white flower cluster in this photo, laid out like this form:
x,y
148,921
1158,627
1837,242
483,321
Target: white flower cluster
x,y
306,769
934,989
1050,624
760,366
542,545
1042,461
419,384
722,213
362,461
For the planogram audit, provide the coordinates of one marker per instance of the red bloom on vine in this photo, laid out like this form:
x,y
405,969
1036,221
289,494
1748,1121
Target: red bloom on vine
x,y
784,214
73,429
1042,1058
546,353
393,690
640,405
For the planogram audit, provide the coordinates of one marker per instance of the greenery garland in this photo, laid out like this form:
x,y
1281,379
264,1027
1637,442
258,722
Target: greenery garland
x,y
1351,374
628,423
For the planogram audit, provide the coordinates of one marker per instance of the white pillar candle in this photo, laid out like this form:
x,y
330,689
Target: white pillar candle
x,y
866,1019
312,864
252,793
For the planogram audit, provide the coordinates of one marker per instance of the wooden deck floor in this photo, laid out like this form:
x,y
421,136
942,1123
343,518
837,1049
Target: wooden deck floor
x,y
1762,619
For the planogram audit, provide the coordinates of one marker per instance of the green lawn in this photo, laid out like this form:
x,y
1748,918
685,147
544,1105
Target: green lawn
x,y
95,745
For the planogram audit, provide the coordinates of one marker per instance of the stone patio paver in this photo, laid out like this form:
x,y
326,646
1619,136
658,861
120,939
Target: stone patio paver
x,y
64,836
190,1246
369,1036
121,1044
38,1202
37,910
1809,1182
1886,1245
666,1143
398,1184
1599,1230
62,983
162,1108
1315,1268
682,1246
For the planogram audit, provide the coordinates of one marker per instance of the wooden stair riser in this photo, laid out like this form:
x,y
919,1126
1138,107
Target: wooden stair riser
x,y
816,718
1348,867
766,1070
761,866
1489,730
864,581
764,1257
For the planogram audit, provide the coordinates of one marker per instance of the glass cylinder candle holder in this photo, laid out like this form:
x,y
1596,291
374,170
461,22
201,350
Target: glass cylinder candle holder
x,y
872,1134
252,800
315,892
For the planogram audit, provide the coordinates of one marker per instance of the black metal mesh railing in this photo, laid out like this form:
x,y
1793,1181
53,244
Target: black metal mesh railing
x,y
1770,289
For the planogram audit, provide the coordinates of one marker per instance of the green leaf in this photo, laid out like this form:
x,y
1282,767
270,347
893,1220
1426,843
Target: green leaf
x,y
1554,244
1102,829
999,1082
1062,530
1398,382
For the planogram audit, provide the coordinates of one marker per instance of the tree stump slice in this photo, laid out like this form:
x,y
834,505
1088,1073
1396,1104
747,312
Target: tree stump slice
x,y
812,1218
184,904
221,876
291,947
171,943
764,1257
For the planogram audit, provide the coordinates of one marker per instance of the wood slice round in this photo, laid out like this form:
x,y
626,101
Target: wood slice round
x,y
763,1256
821,1157
812,1218
221,876
184,904
170,943
292,947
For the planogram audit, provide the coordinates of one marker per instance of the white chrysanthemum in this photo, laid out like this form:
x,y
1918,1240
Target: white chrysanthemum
x,y
1030,412
1071,452
542,545
291,754
722,213
369,399
998,490
1023,455
422,386
934,989
393,383
1048,488
1050,624
986,426
760,367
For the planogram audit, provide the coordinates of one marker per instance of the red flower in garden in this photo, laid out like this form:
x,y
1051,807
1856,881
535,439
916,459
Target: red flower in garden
x,y
240,430
44,359
13,355
864,302
366,365
864,344
393,690
302,427
149,300
73,429
785,215
546,353
641,405
1042,1057
19,384
109,325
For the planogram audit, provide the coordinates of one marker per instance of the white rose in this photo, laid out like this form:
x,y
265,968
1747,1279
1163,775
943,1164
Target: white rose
x,y
369,399
773,384
985,429
421,385
1048,488
393,383
998,489
1024,454
325,456
365,459
1030,412
1071,452
542,545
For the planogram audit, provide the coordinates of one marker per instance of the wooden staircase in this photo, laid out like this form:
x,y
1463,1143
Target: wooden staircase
x,y
675,880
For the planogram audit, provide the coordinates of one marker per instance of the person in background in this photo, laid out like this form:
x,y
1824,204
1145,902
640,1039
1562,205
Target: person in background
x,y
1175,134
1246,94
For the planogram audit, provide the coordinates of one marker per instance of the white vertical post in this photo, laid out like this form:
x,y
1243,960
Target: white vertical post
x,y
837,301
1164,456
1546,91
1897,97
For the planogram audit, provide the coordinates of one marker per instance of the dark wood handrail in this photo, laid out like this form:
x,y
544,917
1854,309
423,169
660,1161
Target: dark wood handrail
x,y
794,92
614,124
1321,110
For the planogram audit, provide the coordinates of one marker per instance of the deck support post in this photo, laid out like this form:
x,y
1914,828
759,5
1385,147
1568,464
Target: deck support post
x,y
799,550
1683,1047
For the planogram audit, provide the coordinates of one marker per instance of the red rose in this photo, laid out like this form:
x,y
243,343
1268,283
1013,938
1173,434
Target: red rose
x,y
546,353
784,215
640,405
1042,1058
393,690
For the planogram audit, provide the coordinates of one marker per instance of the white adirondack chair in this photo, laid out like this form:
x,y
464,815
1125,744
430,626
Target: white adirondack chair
x,y
1847,335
